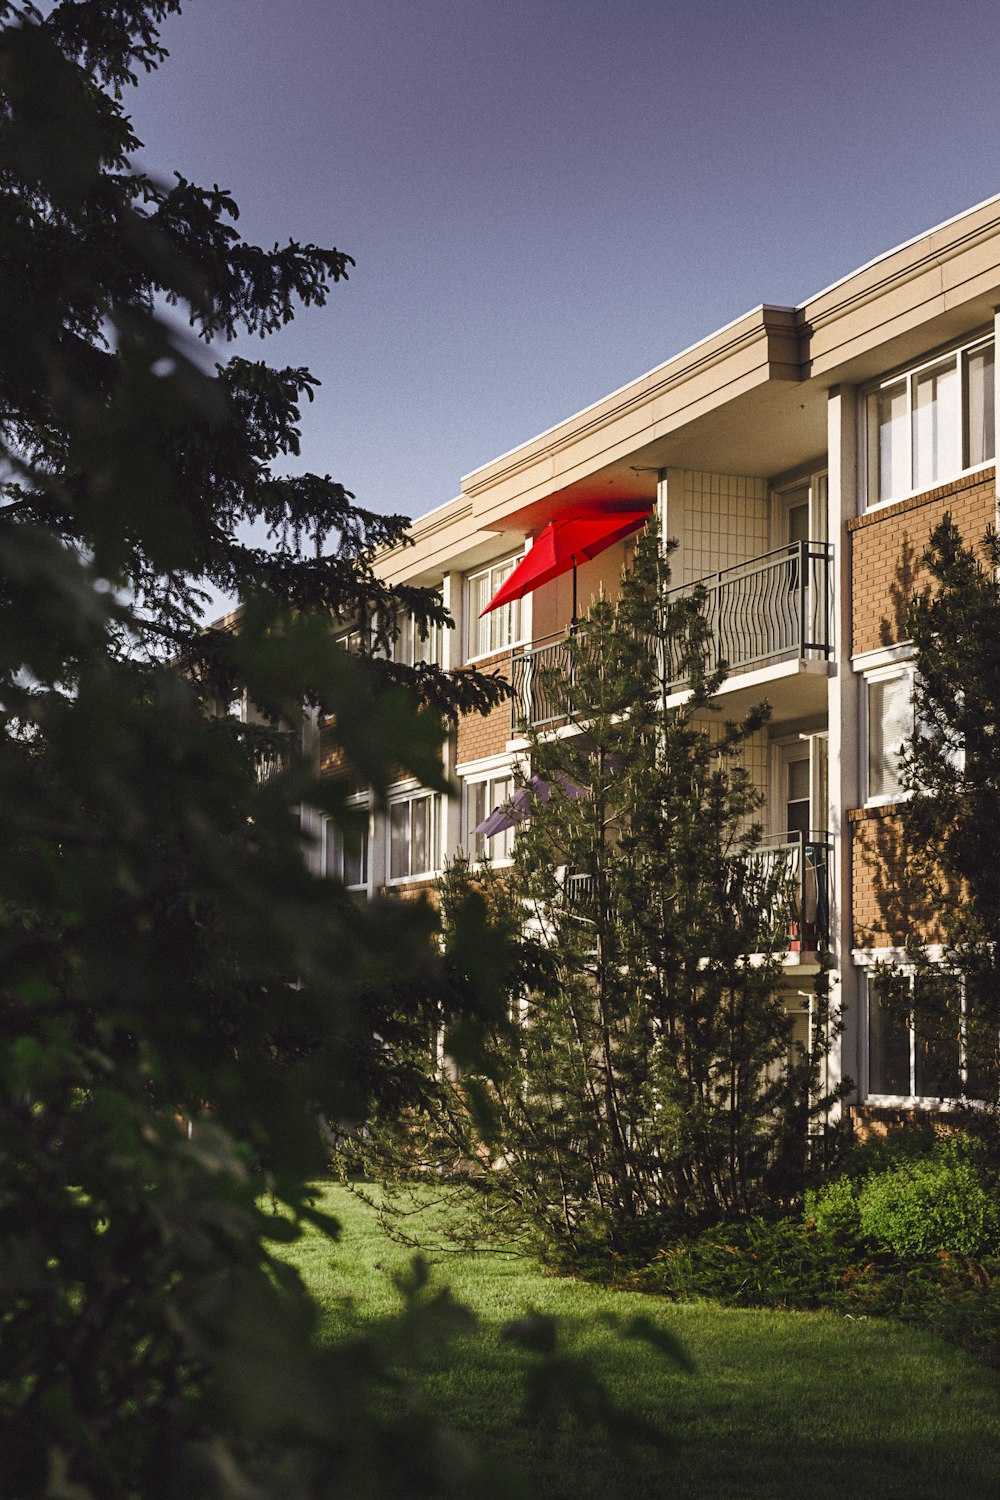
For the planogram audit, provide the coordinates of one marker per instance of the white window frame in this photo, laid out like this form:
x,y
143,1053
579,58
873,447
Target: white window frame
x,y
504,625
784,749
817,484
500,847
354,640
870,480
923,1101
871,676
408,648
334,853
409,799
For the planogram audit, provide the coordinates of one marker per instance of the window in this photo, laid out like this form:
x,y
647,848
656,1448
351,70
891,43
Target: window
x,y
411,647
352,640
501,627
890,724
482,798
411,836
931,424
928,1040
345,851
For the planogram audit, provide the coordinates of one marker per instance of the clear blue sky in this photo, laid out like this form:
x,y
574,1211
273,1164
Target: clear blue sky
x,y
547,197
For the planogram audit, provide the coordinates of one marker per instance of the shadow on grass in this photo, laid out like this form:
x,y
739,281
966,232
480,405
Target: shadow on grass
x,y
776,1404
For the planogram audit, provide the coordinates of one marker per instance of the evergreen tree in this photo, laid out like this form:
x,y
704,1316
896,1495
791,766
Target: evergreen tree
x,y
180,999
648,1080
951,768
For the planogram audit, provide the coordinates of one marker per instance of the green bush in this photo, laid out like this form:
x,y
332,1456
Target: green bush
x,y
915,1195
834,1207
794,1263
909,1228
930,1205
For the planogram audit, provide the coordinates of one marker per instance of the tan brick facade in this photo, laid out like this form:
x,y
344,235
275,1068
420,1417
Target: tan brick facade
x,y
331,759
886,547
876,1122
479,735
884,912
420,888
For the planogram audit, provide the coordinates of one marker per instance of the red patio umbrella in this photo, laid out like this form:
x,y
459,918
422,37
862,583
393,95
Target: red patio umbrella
x,y
577,534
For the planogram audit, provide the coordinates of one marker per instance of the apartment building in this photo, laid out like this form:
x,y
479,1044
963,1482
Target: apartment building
x,y
800,456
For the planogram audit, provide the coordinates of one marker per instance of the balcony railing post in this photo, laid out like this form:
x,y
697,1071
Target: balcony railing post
x,y
514,695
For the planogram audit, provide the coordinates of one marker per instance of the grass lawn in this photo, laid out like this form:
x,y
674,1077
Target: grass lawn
x,y
778,1404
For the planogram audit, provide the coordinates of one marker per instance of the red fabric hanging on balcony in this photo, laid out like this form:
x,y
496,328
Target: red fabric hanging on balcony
x,y
573,537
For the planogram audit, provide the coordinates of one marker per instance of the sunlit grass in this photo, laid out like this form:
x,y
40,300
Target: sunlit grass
x,y
778,1404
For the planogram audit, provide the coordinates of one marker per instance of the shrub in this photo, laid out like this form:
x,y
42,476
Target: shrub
x,y
909,1228
914,1194
834,1207
929,1205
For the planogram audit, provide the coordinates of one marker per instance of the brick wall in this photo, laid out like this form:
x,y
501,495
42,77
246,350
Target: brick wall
x,y
332,763
480,735
421,888
886,546
878,1121
884,909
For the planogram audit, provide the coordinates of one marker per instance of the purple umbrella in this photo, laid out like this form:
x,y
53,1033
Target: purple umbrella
x,y
519,806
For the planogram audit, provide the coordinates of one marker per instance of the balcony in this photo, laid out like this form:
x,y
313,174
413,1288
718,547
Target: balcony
x,y
797,864
803,923
775,608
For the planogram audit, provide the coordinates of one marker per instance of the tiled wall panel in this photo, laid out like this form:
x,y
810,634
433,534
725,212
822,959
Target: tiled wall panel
x,y
725,520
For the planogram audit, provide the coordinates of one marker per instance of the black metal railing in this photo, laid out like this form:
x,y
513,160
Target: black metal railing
x,y
773,608
797,865
538,675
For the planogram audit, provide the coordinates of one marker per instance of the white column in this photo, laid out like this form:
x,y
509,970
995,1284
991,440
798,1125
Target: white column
x,y
310,821
452,594
670,508
843,706
996,401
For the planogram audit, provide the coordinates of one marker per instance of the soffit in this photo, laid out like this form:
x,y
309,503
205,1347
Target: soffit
x,y
443,541
766,432
595,450
749,400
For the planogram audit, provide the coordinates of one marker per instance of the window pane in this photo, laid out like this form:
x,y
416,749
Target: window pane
x,y
980,438
795,504
500,628
399,840
420,861
889,438
476,842
501,632
937,1024
480,633
429,650
797,796
888,1045
356,857
403,647
935,426
890,721
501,791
